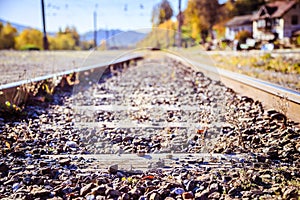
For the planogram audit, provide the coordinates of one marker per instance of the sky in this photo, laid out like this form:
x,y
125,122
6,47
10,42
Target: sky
x,y
111,14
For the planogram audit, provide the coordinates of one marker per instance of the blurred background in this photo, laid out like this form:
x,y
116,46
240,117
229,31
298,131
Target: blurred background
x,y
123,24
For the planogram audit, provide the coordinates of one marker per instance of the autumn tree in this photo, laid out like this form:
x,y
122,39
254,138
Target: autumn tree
x,y
62,42
202,15
68,39
7,36
161,12
228,10
162,36
29,38
73,32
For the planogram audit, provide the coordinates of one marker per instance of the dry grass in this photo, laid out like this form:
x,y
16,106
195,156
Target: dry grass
x,y
281,70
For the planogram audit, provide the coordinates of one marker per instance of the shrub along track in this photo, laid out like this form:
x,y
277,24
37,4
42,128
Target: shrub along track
x,y
157,106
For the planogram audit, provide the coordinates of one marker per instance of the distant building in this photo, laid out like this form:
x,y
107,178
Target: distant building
x,y
279,19
237,24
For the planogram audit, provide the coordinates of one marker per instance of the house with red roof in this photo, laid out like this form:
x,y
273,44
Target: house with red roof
x,y
277,20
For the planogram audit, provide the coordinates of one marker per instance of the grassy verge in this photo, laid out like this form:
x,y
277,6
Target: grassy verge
x,y
281,69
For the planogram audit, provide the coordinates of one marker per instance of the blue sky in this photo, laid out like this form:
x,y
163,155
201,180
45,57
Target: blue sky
x,y
111,14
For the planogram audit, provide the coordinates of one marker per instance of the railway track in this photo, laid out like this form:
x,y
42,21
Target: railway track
x,y
273,96
154,129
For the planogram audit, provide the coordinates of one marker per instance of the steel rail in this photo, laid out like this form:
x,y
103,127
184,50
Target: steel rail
x,y
272,95
81,69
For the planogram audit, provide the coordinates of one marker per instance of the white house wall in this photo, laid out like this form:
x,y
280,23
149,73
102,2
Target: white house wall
x,y
230,32
255,30
257,34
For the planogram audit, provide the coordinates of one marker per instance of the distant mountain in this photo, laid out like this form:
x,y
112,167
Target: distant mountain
x,y
19,27
115,37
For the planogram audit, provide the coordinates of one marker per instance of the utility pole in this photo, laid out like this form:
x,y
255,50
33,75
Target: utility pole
x,y
45,40
179,24
106,38
95,29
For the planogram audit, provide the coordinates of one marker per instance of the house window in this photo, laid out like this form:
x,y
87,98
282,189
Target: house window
x,y
276,22
269,23
294,19
261,23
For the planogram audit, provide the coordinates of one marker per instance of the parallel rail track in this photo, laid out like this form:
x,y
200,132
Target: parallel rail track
x,y
272,95
148,125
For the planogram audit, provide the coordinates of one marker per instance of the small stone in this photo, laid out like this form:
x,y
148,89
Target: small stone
x,y
276,190
169,198
232,191
226,179
202,195
154,196
178,191
213,187
214,195
90,197
45,170
113,169
64,162
246,194
290,193
86,189
16,186
99,190
71,144
4,168
141,153
256,179
43,164
190,185
125,196
113,193
187,195
38,192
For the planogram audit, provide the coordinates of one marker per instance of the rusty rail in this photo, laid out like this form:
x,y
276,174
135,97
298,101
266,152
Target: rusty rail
x,y
14,96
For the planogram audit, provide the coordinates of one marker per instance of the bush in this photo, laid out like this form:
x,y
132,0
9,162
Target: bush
x,y
29,38
298,40
30,47
242,36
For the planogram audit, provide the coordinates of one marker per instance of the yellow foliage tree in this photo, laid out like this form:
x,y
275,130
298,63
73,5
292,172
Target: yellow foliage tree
x,y
29,38
7,36
62,42
162,37
202,15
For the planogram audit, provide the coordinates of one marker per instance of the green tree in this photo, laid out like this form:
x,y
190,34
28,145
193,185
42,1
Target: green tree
x,y
7,36
243,7
29,38
161,12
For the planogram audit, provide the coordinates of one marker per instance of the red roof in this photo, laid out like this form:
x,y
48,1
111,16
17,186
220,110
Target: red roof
x,y
274,10
240,20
